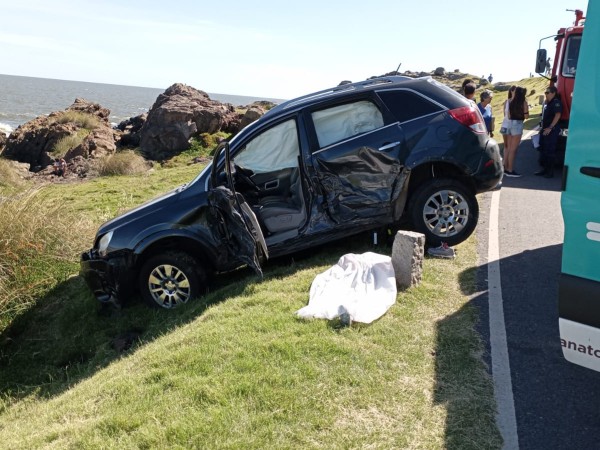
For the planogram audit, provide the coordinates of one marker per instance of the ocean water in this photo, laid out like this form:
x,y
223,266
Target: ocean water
x,y
25,98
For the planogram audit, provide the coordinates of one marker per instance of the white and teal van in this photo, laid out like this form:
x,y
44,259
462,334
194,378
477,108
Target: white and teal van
x,y
579,287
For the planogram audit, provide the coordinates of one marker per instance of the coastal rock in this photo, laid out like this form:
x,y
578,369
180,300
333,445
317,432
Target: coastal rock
x,y
33,141
82,105
253,113
178,114
131,131
100,142
3,139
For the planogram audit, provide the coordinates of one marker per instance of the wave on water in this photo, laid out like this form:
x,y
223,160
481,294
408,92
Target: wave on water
x,y
5,128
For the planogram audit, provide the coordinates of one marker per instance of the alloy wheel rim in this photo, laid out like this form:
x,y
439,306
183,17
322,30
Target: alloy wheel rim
x,y
169,286
446,213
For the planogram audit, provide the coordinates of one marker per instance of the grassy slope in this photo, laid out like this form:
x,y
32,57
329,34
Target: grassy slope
x,y
238,369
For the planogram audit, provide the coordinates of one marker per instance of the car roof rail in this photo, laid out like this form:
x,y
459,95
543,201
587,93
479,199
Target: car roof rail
x,y
342,88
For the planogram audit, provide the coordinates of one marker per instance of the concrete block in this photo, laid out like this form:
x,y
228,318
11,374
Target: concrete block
x,y
408,253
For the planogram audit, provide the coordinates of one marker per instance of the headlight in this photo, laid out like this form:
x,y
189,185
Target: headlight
x,y
103,243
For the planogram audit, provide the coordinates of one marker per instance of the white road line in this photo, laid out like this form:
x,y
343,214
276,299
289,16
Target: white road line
x,y
505,417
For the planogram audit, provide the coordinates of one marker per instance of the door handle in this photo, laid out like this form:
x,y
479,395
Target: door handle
x,y
386,146
591,171
274,184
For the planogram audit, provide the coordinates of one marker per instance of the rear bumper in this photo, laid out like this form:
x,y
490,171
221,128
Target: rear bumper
x,y
110,280
491,169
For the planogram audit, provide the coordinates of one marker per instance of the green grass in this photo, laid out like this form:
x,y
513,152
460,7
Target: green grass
x,y
235,369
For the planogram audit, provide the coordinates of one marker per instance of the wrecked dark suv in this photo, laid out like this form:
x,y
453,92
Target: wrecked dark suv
x,y
325,166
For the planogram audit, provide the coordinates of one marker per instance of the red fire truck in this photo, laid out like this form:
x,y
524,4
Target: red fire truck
x,y
562,71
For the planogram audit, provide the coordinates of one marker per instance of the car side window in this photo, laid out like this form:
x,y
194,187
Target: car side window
x,y
275,149
345,121
406,105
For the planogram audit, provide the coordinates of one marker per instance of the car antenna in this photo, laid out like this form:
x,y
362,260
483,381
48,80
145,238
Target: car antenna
x,y
398,67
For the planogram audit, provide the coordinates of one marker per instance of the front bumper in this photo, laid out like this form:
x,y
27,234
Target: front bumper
x,y
110,279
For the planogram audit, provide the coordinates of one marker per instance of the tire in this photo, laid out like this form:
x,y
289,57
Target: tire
x,y
444,210
171,279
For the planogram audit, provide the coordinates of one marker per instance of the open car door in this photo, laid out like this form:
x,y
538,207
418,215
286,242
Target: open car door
x,y
232,217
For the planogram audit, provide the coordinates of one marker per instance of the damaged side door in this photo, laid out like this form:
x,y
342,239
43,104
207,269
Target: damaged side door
x,y
233,220
358,163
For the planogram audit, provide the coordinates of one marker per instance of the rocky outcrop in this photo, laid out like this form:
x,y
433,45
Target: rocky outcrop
x,y
100,142
178,114
82,105
33,141
131,131
253,113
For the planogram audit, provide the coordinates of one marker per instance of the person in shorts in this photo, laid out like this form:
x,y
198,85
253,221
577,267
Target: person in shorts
x,y
504,125
518,111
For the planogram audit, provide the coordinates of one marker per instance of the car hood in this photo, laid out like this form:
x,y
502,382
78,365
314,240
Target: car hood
x,y
150,207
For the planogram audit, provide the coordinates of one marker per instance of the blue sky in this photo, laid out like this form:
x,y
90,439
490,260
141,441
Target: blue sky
x,y
271,49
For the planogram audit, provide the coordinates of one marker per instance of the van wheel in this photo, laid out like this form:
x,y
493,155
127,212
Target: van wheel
x,y
444,210
171,279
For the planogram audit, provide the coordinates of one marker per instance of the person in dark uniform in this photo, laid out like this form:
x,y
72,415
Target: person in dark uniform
x,y
549,132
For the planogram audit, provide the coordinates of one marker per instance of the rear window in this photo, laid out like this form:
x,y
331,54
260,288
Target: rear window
x,y
407,105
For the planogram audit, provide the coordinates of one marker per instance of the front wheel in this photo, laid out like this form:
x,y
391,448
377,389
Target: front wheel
x,y
171,279
444,210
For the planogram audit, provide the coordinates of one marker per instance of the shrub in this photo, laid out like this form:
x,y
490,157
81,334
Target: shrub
x,y
8,176
205,144
126,162
38,243
79,118
66,143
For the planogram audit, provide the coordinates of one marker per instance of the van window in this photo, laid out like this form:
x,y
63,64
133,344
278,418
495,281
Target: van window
x,y
345,121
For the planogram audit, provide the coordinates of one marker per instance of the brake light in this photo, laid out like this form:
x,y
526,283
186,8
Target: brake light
x,y
470,117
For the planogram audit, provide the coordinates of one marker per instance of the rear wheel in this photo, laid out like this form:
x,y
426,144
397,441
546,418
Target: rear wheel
x,y
171,279
444,210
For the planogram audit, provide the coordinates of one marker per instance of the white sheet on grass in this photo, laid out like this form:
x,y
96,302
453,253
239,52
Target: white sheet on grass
x,y
363,286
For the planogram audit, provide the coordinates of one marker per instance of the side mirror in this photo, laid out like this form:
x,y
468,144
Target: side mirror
x,y
540,61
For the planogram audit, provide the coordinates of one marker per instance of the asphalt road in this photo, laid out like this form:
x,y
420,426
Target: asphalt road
x,y
556,403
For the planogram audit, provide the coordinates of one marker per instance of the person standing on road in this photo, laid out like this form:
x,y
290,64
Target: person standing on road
x,y
504,126
518,111
486,110
549,132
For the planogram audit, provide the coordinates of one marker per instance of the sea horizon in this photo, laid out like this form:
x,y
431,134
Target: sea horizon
x,y
23,98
